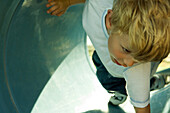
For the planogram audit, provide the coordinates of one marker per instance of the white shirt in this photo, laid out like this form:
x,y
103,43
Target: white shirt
x,y
138,76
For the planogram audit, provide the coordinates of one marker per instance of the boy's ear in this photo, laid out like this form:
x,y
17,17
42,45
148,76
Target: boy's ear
x,y
108,19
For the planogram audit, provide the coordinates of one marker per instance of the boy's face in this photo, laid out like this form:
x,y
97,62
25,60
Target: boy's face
x,y
119,52
118,46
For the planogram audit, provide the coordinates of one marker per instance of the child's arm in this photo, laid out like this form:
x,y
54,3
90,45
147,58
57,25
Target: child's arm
x,y
59,7
143,110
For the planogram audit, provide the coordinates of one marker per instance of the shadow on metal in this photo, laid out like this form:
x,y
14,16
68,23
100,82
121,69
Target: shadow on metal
x,y
111,109
160,100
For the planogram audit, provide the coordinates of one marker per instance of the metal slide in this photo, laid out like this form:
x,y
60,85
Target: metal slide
x,y
44,64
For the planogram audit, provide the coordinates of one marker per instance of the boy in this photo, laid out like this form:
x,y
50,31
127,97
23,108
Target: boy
x,y
130,38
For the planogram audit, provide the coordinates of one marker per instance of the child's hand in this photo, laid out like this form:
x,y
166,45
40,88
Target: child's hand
x,y
57,7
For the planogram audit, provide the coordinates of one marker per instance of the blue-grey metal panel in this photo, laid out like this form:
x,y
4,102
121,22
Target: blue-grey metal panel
x,y
33,46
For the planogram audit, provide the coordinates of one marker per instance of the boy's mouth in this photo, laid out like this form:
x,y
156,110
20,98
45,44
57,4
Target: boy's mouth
x,y
115,61
119,63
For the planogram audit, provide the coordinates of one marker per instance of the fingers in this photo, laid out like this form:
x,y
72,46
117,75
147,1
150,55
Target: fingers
x,y
61,13
50,4
55,12
52,9
58,12
50,0
56,8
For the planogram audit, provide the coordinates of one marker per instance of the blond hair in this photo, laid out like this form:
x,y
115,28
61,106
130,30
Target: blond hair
x,y
147,23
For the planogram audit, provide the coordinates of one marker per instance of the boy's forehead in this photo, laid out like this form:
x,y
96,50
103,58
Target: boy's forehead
x,y
121,37
123,40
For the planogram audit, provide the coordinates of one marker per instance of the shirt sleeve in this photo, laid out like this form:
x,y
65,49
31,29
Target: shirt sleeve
x,y
138,84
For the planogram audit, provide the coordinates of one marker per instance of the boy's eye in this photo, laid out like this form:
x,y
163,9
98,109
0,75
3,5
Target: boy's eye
x,y
125,50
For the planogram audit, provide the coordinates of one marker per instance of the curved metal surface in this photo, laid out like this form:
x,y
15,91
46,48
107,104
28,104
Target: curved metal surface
x,y
33,46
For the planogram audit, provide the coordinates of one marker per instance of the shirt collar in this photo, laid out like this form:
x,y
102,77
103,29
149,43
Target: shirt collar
x,y
104,24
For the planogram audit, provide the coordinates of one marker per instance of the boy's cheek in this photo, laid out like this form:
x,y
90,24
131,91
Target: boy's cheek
x,y
112,58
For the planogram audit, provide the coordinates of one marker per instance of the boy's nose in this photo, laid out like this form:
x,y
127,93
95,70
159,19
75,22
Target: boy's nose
x,y
128,62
